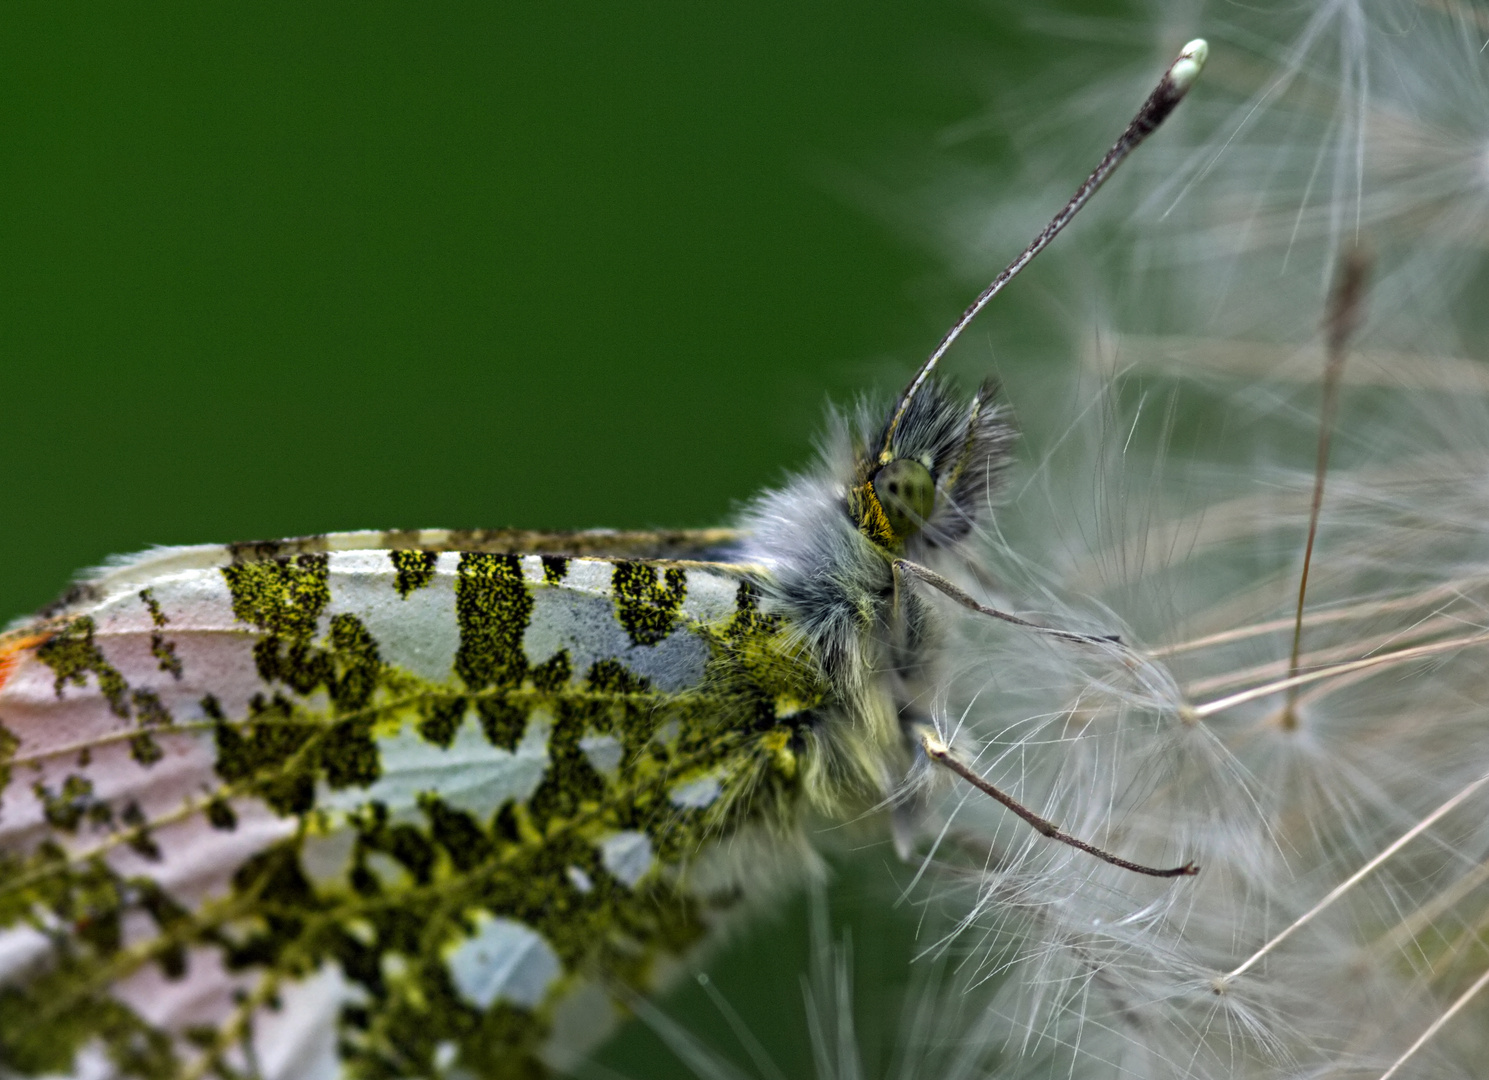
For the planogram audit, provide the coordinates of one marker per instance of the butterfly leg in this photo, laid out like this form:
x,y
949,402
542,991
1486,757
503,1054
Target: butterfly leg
x,y
938,751
951,589
944,756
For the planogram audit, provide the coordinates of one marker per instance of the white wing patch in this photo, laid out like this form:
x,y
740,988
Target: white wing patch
x,y
297,1041
603,752
712,598
580,617
417,632
21,949
697,794
627,856
470,774
503,961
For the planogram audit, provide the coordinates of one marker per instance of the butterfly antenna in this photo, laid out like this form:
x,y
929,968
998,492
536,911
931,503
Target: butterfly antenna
x,y
1166,95
1345,310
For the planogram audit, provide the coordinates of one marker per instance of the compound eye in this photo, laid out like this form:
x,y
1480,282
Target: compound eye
x,y
907,492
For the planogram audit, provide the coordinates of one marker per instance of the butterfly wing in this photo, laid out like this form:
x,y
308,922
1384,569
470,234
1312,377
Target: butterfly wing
x,y
377,812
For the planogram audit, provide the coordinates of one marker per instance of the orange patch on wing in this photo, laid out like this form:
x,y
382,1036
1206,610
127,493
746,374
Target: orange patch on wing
x,y
11,649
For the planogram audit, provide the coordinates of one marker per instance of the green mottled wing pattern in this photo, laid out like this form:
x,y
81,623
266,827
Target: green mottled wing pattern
x,y
315,810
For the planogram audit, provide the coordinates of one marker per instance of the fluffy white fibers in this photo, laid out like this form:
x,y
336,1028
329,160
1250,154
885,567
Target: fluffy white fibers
x,y
1337,803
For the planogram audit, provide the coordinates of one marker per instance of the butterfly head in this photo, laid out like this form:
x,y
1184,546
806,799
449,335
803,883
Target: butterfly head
x,y
926,476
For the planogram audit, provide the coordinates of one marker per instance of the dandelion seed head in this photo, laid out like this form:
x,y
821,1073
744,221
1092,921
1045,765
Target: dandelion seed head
x,y
1169,505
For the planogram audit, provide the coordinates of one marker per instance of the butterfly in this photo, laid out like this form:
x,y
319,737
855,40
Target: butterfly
x,y
442,803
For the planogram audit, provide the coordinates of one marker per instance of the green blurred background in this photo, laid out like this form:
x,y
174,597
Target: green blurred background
x,y
270,270
276,269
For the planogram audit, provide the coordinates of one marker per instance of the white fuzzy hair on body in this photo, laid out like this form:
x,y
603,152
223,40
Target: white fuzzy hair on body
x,y
879,644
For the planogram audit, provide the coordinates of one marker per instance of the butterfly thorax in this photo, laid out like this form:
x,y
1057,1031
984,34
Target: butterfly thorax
x,y
915,488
